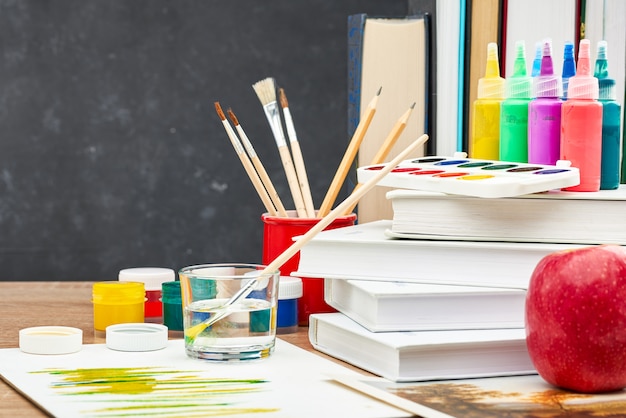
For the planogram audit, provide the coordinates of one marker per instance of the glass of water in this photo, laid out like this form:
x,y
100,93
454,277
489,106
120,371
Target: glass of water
x,y
229,311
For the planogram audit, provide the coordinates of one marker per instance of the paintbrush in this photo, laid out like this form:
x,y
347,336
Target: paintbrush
x,y
348,157
350,201
390,141
298,161
245,161
266,91
269,186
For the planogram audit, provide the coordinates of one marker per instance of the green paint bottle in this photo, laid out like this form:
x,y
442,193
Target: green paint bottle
x,y
514,110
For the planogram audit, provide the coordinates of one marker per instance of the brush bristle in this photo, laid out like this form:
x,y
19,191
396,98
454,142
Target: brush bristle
x,y
219,111
232,117
265,90
283,98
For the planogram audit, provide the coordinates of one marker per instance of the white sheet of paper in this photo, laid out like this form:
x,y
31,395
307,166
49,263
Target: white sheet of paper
x,y
99,382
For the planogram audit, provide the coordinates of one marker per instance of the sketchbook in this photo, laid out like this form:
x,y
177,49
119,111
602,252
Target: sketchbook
x,y
365,252
400,306
99,382
422,355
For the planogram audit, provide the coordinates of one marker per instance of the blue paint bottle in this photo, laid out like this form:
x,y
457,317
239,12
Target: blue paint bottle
x,y
289,291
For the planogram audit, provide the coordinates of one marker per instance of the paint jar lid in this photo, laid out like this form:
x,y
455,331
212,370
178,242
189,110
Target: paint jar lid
x,y
289,287
51,340
118,293
151,277
136,337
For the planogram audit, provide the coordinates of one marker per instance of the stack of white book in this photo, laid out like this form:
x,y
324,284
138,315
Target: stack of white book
x,y
438,292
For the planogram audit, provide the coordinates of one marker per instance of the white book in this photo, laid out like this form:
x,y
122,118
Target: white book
x,y
365,252
422,355
555,216
400,306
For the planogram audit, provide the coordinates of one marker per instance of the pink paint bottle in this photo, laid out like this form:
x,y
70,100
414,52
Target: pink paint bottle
x,y
544,113
581,124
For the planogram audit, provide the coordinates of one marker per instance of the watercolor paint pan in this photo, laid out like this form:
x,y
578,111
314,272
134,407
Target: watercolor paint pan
x,y
474,177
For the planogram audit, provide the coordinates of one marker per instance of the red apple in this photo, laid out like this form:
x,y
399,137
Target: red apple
x,y
576,318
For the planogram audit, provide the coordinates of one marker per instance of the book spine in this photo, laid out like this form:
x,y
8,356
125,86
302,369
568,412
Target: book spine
x,y
428,9
356,25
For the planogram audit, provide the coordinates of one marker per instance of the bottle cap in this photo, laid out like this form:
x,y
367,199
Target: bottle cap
x,y
606,85
583,85
50,340
569,66
491,86
289,287
536,61
547,84
519,85
152,277
115,293
136,337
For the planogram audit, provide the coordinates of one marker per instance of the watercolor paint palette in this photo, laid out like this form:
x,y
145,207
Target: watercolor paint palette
x,y
474,177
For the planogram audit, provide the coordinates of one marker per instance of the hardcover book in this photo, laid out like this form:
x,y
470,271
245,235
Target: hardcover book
x,y
399,306
555,216
391,53
366,252
422,355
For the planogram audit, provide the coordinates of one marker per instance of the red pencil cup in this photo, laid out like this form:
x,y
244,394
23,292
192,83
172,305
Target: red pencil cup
x,y
277,237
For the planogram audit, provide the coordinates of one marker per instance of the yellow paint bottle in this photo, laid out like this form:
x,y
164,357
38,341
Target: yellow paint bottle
x,y
117,302
485,138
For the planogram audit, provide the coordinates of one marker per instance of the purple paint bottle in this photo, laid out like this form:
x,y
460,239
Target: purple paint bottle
x,y
544,113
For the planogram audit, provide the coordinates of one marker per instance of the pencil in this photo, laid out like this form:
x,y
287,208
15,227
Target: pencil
x,y
266,92
393,136
390,141
298,161
348,157
245,161
265,178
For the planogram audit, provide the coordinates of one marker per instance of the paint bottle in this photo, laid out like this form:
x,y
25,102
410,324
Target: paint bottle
x,y
581,124
485,138
544,113
569,66
172,308
117,302
611,122
289,291
514,110
152,278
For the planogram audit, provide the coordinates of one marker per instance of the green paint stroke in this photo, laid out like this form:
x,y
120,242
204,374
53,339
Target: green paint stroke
x,y
155,391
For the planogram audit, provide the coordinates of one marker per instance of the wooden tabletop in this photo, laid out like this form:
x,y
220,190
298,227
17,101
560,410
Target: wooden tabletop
x,y
30,304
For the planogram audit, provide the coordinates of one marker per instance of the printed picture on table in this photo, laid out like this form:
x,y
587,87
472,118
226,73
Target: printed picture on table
x,y
513,397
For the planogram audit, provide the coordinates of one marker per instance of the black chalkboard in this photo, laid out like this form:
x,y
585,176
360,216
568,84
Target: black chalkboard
x,y
111,153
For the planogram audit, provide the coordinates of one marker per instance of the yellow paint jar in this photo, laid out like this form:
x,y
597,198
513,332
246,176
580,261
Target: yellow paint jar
x,y
117,302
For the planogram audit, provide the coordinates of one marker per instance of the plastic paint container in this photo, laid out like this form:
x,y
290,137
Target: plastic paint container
x,y
278,233
289,291
172,308
117,302
152,278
